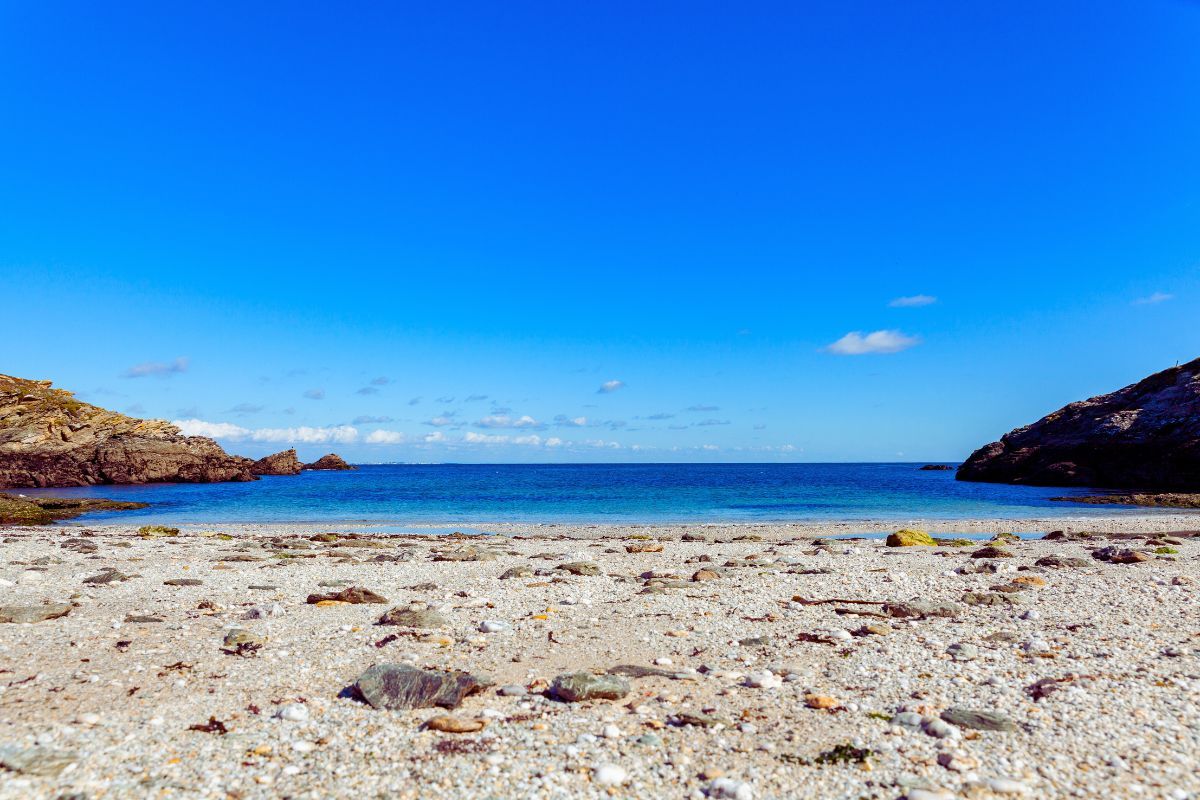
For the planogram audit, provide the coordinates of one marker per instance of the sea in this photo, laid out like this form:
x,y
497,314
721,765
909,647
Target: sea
x,y
591,493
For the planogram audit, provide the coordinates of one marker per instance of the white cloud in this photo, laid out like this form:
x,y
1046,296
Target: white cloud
x,y
531,439
157,369
339,434
505,421
441,421
472,437
554,441
564,421
436,436
1154,299
386,437
608,387
856,344
913,301
213,430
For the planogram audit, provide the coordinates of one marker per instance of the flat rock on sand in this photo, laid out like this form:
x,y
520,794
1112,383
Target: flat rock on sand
x,y
399,686
30,614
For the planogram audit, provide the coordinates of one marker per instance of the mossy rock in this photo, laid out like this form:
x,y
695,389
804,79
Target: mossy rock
x,y
907,537
1005,538
156,531
953,542
21,510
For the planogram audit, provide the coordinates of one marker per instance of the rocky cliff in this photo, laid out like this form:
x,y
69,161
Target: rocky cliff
x,y
1145,436
48,438
284,463
330,461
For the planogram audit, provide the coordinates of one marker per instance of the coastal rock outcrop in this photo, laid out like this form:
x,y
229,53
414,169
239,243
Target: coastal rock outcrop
x,y
48,438
330,461
1145,437
282,463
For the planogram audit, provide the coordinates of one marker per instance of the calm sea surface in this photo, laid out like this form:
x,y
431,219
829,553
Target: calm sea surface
x,y
450,493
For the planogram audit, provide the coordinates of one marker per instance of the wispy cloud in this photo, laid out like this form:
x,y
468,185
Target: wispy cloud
x,y
368,390
382,380
608,387
505,421
563,421
157,369
339,434
705,423
245,408
369,420
315,394
856,343
475,398
1153,299
414,401
442,420
913,301
661,416
703,408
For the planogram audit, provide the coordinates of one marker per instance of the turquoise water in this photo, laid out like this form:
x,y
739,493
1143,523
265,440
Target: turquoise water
x,y
466,493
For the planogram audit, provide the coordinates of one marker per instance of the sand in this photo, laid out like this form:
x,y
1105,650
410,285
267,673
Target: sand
x,y
1094,670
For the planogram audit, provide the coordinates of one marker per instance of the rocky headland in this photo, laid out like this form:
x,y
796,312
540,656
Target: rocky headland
x,y
1145,437
49,438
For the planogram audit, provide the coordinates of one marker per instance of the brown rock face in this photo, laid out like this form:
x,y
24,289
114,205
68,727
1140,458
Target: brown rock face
x,y
1145,436
331,461
283,463
48,438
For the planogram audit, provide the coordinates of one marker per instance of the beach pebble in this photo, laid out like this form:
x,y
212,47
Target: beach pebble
x,y
293,712
493,626
609,775
729,788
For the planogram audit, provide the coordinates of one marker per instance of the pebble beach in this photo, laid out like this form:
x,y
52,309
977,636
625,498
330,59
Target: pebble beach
x,y
640,661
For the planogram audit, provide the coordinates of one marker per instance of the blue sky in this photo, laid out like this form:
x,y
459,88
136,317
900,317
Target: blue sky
x,y
440,231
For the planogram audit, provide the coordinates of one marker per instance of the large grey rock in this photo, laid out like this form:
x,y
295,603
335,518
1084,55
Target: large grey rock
x,y
399,686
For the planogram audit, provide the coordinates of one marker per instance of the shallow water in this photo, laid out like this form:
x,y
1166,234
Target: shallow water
x,y
593,493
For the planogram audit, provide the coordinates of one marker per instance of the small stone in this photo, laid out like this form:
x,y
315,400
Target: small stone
x,y
493,626
820,701
353,594
585,568
23,615
183,582
1007,786
991,551
446,723
978,720
705,574
963,652
36,761
611,732
609,775
293,712
764,679
729,789
577,687
516,572
106,576
413,618
512,690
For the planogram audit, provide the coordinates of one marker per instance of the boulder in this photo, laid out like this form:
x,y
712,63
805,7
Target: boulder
x,y
1145,437
281,463
907,537
332,461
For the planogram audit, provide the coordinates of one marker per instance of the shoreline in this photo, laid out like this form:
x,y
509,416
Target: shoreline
x,y
1164,521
